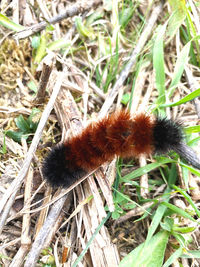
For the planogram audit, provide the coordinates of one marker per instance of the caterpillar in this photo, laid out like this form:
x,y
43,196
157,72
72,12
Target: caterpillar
x,y
118,134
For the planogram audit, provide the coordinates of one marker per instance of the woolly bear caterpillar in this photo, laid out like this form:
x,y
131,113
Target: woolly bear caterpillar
x,y
116,135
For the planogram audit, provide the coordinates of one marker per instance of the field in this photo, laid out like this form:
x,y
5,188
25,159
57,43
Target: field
x,y
64,65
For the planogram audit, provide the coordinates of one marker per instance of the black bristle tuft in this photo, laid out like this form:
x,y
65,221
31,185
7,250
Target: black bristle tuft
x,y
57,171
167,135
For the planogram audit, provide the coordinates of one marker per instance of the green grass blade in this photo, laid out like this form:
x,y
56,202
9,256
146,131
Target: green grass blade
x,y
129,199
191,254
58,44
192,129
161,209
188,198
190,168
185,99
192,32
155,222
41,50
178,211
77,261
173,257
158,63
179,68
146,169
9,24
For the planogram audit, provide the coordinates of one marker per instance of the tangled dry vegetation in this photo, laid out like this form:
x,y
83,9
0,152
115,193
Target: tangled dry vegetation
x,y
63,64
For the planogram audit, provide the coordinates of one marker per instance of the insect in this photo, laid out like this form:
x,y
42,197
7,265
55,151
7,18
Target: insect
x,y
118,134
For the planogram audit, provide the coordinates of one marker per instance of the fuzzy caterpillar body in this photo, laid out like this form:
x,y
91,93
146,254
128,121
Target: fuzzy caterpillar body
x,y
116,135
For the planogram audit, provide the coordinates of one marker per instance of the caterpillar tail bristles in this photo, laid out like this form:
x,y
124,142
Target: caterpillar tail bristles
x,y
56,169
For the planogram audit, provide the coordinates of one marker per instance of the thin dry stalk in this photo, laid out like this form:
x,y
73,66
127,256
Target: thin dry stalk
x,y
44,232
58,221
144,178
137,94
43,213
25,237
106,190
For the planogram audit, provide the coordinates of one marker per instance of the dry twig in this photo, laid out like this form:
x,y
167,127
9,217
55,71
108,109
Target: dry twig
x,y
46,71
71,11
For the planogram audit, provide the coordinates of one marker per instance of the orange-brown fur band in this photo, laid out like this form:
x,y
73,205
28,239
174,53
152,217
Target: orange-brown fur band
x,y
117,134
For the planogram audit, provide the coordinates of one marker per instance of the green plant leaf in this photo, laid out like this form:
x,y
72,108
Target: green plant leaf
x,y
177,17
35,41
123,199
190,168
185,175
83,30
3,150
107,4
32,86
116,215
151,255
16,136
50,27
125,99
180,238
167,224
22,124
192,32
26,126
125,15
157,217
